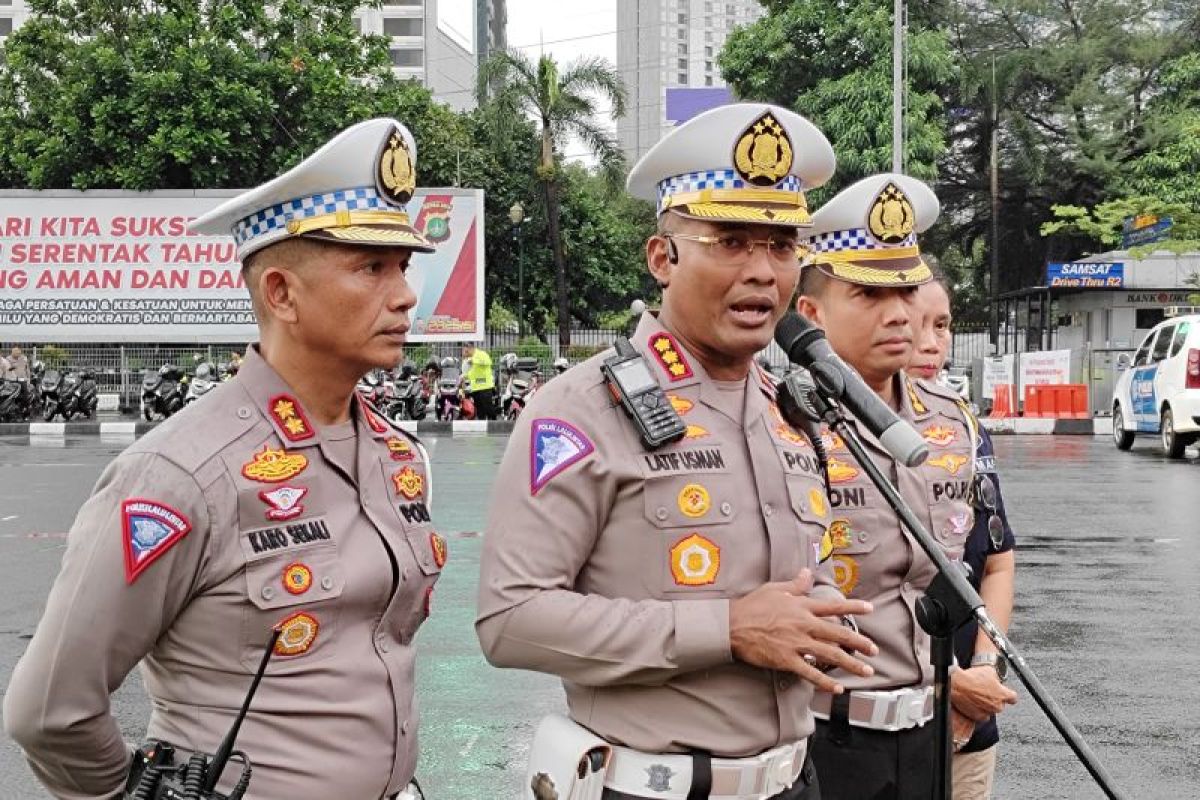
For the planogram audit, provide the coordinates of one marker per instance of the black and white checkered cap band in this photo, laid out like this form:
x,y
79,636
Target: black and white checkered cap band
x,y
853,239
278,216
717,179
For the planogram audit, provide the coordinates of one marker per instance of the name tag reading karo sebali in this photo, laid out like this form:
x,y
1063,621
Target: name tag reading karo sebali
x,y
283,538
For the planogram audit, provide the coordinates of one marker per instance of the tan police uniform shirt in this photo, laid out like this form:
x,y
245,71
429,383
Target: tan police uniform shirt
x,y
228,519
613,566
874,557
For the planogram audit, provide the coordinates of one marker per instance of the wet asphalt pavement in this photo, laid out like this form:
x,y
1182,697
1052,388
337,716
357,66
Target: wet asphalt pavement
x,y
1107,610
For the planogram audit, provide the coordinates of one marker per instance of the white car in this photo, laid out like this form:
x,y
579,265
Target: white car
x,y
1159,390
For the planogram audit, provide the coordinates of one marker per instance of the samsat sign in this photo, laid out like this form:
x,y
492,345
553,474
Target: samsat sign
x,y
121,267
1085,274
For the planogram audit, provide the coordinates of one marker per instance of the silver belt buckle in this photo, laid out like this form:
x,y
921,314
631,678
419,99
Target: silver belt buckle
x,y
911,712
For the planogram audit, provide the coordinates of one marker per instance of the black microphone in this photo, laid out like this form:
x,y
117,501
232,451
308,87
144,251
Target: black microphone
x,y
806,345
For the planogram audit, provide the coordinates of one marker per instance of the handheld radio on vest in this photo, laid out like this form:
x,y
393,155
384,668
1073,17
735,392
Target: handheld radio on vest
x,y
632,384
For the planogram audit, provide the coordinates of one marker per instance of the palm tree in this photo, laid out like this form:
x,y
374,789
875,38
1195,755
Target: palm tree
x,y
563,104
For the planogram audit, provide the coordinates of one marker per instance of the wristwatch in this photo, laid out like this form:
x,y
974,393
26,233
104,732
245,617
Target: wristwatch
x,y
995,660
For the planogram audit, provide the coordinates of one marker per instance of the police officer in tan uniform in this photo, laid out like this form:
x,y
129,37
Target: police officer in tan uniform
x,y
281,502
678,592
859,284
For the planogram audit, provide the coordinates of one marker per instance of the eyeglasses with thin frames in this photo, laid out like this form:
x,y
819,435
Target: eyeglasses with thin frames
x,y
736,247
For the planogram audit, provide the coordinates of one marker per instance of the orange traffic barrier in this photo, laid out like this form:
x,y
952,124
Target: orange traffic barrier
x,y
1002,401
1057,401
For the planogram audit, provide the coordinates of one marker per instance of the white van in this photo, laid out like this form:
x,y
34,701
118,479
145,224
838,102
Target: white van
x,y
1159,390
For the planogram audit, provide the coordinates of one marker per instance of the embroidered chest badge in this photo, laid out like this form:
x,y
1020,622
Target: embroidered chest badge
x,y
681,404
554,446
663,346
694,500
274,466
440,551
399,449
290,417
841,472
148,529
297,578
950,462
284,502
409,483
297,634
939,435
695,561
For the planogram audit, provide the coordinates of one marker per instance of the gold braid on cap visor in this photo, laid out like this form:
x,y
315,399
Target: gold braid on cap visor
x,y
792,207
872,276
345,219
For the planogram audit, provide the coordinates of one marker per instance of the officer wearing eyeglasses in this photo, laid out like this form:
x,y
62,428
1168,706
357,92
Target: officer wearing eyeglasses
x,y
977,690
679,591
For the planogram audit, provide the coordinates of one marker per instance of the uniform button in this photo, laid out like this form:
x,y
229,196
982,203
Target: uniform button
x,y
404,728
862,537
768,509
726,509
404,574
327,583
268,592
244,412
661,513
382,642
784,682
907,586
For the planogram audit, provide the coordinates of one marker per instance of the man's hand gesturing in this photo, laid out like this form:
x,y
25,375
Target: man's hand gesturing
x,y
778,624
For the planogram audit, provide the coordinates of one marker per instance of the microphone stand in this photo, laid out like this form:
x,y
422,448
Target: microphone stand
x,y
949,601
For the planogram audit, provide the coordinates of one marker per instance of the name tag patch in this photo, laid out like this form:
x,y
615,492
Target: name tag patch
x,y
287,537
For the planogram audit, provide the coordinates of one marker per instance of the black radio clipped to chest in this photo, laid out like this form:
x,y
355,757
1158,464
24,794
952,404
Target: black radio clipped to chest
x,y
632,384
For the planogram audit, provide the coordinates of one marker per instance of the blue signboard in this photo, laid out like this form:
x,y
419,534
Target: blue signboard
x,y
1151,233
1085,274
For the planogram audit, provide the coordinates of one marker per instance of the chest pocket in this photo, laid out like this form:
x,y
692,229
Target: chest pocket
x,y
298,591
688,501
947,473
429,552
689,514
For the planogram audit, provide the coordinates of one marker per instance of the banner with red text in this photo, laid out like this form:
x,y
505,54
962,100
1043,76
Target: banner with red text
x,y
121,267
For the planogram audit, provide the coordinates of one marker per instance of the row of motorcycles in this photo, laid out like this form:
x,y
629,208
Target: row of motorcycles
x,y
49,393
405,394
168,390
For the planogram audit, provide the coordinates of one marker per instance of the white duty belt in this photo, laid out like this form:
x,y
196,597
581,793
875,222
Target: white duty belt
x,y
670,776
894,710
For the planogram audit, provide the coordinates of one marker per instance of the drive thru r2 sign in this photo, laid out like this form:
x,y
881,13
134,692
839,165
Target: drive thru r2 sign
x,y
1085,274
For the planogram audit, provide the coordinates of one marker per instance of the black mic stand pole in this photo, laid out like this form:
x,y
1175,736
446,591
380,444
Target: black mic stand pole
x,y
948,596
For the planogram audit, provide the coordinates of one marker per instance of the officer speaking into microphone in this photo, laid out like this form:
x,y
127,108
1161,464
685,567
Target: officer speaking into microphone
x,y
859,284
281,503
657,529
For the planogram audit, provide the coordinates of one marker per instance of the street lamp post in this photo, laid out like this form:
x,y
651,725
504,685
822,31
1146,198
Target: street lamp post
x,y
516,214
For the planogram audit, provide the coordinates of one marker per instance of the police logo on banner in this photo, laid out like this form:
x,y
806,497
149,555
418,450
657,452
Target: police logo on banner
x,y
554,446
149,529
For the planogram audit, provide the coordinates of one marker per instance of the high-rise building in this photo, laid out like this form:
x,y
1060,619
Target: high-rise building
x,y
437,42
667,45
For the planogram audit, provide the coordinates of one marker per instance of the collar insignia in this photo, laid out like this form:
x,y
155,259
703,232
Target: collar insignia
x,y
666,352
290,418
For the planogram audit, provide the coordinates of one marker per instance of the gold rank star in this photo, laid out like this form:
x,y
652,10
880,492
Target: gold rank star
x,y
285,409
294,425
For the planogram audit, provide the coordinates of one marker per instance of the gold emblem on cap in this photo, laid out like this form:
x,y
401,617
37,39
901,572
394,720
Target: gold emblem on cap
x,y
397,179
763,154
892,218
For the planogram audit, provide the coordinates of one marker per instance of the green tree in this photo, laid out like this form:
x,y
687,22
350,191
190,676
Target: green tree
x,y
831,60
562,105
1168,167
187,94
1102,223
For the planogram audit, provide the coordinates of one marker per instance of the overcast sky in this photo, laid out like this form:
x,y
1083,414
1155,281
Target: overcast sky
x,y
566,30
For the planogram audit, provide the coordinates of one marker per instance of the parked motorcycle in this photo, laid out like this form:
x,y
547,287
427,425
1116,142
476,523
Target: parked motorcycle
x,y
408,396
162,392
13,400
521,382
78,395
51,387
203,382
449,391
